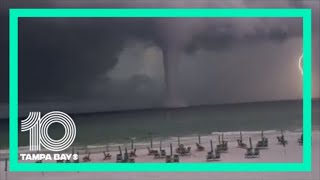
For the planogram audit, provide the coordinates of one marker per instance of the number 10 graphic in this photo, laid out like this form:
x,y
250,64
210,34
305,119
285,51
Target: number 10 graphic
x,y
38,130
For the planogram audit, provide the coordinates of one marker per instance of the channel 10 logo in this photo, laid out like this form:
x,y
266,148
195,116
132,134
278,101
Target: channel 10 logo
x,y
38,130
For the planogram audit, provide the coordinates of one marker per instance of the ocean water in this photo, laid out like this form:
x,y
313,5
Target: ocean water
x,y
120,127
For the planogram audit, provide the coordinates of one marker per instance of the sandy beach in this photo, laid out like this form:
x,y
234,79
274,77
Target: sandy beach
x,y
275,153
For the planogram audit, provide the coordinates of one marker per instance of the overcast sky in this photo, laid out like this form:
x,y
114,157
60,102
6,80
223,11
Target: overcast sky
x,y
102,64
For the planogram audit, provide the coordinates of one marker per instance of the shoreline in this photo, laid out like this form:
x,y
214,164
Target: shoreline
x,y
141,143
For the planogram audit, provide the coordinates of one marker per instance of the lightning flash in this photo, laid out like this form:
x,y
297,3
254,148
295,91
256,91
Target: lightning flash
x,y
300,64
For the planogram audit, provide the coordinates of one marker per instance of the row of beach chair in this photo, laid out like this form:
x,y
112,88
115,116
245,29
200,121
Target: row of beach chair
x,y
214,157
263,143
183,151
223,147
160,155
172,159
126,157
252,154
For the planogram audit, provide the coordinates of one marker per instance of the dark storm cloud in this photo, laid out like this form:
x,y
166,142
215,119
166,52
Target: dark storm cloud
x,y
4,63
223,36
65,58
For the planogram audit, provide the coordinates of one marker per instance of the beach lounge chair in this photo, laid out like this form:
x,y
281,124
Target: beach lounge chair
x,y
300,140
119,158
263,143
252,154
217,156
188,151
133,153
241,144
225,145
87,158
151,151
185,152
107,156
222,147
210,156
249,153
176,158
199,147
281,140
180,149
129,157
163,153
168,159
126,157
157,155
256,152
